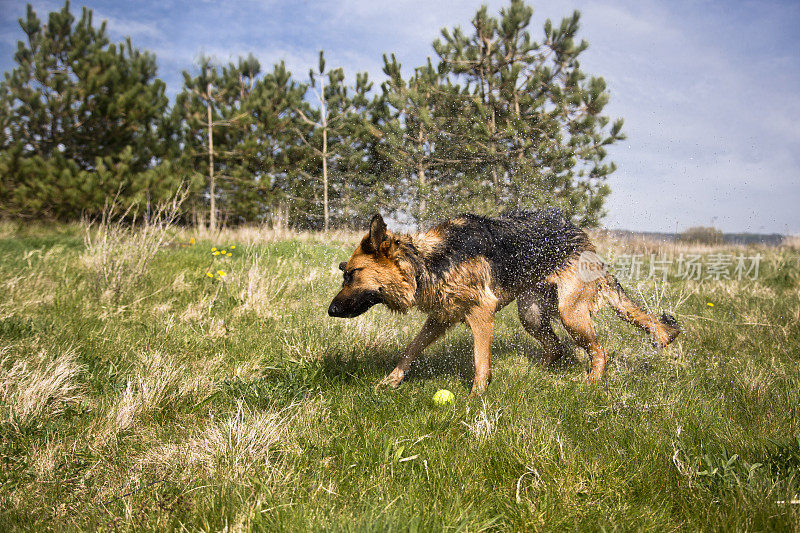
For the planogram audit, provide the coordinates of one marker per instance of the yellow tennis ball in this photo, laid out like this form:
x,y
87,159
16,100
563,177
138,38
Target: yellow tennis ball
x,y
442,397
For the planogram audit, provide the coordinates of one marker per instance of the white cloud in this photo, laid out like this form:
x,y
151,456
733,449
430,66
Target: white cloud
x,y
130,28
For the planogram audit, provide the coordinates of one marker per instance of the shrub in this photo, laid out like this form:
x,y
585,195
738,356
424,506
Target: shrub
x,y
701,235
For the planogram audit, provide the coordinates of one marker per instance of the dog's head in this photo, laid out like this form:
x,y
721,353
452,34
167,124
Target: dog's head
x,y
378,272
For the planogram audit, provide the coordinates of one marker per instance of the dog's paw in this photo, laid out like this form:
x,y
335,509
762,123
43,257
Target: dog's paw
x,y
392,381
593,378
479,387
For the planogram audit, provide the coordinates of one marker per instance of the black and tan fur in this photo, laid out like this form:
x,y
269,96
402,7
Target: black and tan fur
x,y
468,268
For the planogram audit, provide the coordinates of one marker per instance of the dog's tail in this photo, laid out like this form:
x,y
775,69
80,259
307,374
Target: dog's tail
x,y
662,330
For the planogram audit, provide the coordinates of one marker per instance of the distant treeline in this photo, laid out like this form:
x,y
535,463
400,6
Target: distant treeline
x,y
766,239
497,119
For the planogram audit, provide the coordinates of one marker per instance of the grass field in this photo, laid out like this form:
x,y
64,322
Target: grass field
x,y
139,393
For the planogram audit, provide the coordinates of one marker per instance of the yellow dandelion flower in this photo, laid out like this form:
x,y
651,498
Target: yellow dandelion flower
x,y
223,252
214,249
233,247
209,274
710,304
216,253
191,241
221,273
229,254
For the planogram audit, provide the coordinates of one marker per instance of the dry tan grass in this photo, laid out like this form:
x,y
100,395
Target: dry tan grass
x,y
258,288
242,443
484,424
157,383
7,229
197,311
239,444
606,242
792,242
265,234
41,386
46,457
118,252
36,285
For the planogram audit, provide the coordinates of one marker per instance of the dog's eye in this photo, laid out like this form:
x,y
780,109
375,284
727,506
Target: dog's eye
x,y
397,242
348,275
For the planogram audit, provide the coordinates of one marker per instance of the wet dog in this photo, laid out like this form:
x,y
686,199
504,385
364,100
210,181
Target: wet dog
x,y
470,267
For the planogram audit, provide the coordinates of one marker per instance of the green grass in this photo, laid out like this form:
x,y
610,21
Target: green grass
x,y
186,402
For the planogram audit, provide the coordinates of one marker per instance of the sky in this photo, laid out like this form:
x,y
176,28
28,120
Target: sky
x,y
709,90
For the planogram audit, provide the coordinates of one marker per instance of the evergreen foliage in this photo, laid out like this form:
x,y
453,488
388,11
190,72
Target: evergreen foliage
x,y
502,121
82,120
338,168
496,120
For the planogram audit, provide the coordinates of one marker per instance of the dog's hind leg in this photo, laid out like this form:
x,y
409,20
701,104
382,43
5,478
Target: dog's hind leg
x,y
578,322
431,331
535,310
577,302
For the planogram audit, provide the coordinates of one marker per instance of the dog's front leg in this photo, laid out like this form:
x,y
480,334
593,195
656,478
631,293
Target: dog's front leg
x,y
481,322
431,331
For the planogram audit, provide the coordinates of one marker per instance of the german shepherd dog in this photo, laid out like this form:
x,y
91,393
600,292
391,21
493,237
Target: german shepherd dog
x,y
470,267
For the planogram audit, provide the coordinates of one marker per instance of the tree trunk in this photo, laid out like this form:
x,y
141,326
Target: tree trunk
x,y
212,223
423,195
324,151
492,157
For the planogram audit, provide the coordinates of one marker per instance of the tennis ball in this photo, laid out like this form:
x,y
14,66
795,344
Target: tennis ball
x,y
442,397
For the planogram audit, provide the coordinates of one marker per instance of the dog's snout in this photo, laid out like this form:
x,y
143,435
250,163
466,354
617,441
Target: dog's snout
x,y
335,309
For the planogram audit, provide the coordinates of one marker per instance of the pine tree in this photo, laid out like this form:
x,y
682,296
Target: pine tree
x,y
495,121
502,121
275,154
354,181
331,133
209,110
236,142
238,132
82,120
421,116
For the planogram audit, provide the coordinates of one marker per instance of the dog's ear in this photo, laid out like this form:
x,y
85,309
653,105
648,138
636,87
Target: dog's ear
x,y
342,265
377,232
